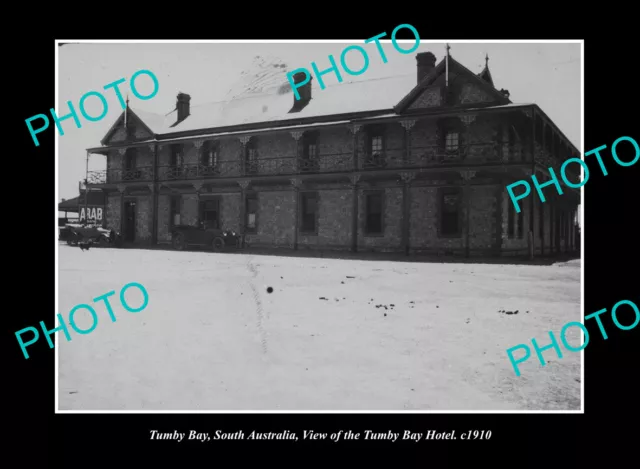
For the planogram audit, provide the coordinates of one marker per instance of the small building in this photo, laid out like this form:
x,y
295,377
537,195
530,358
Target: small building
x,y
403,164
92,210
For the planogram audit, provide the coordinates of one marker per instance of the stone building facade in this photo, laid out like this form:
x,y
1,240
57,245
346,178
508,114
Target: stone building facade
x,y
420,166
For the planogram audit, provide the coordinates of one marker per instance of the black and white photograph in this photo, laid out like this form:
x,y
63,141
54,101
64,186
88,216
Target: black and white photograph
x,y
317,226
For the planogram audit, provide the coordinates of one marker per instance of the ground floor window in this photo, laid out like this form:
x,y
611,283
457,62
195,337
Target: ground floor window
x,y
251,210
308,212
174,211
374,213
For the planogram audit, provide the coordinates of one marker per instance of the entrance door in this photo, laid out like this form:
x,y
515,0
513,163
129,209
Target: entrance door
x,y
129,221
210,213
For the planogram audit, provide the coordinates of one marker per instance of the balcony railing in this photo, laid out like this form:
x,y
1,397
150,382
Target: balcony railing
x,y
109,176
417,157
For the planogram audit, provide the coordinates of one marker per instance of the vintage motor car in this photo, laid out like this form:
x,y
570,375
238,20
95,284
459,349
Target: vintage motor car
x,y
82,233
202,235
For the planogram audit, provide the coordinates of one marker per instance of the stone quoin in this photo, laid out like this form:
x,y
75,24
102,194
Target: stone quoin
x,y
554,342
297,81
105,107
92,312
572,185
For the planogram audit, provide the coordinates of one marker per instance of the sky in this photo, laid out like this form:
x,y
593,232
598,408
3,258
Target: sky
x,y
547,74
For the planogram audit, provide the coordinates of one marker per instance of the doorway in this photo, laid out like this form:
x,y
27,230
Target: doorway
x,y
210,213
129,221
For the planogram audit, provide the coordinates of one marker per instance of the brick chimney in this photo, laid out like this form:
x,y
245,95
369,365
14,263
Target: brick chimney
x,y
304,91
426,63
182,105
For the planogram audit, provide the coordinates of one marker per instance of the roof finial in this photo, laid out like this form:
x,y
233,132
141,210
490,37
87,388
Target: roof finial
x,y
486,60
125,111
448,49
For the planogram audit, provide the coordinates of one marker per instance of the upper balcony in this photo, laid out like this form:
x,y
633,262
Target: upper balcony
x,y
416,157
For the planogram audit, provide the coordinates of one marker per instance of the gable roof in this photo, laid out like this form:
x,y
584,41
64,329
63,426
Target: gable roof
x,y
485,74
150,118
437,71
377,95
374,97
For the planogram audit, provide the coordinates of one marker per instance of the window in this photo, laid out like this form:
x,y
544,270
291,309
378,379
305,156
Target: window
x,y
308,212
376,148
310,153
451,142
210,213
374,213
130,159
251,210
129,165
209,154
450,213
174,212
251,158
451,139
176,156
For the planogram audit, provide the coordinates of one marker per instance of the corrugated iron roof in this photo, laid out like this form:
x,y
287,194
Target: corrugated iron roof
x,y
96,198
342,98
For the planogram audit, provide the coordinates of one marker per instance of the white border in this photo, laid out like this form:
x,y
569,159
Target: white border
x,y
356,41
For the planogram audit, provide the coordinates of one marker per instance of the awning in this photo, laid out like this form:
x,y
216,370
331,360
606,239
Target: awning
x,y
96,199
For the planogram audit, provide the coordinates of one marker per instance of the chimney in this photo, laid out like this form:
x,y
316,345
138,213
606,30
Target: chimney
x,y
426,63
304,91
182,105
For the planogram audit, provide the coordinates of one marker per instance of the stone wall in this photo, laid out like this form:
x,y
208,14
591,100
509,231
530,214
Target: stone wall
x,y
482,217
275,220
164,207
113,211
334,221
277,205
144,218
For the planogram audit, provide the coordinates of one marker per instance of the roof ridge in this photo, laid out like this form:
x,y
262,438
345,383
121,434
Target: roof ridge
x,y
255,95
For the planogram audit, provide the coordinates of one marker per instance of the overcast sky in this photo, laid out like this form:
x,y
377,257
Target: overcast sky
x,y
545,74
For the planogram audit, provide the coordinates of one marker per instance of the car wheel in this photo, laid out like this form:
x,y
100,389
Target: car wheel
x,y
178,242
103,241
218,244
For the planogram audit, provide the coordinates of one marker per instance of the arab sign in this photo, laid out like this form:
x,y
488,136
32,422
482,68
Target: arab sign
x,y
92,213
